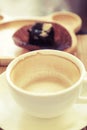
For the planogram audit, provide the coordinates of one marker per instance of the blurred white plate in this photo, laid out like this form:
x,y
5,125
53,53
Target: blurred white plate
x,y
12,117
9,25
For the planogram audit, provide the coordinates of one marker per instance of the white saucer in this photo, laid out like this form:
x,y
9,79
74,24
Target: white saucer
x,y
12,117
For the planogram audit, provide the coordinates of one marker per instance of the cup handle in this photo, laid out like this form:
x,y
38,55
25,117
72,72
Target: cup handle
x,y
82,98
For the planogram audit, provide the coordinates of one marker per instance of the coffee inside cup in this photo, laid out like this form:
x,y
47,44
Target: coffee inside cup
x,y
44,73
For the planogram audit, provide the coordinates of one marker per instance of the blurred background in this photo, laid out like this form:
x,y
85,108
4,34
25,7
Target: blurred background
x,y
44,7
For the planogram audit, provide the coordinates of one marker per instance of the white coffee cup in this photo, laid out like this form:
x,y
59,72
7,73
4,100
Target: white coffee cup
x,y
46,83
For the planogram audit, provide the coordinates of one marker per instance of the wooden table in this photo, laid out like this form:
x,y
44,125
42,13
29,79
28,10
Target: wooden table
x,y
81,52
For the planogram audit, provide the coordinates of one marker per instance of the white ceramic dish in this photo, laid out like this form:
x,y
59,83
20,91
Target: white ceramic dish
x,y
71,21
67,19
12,117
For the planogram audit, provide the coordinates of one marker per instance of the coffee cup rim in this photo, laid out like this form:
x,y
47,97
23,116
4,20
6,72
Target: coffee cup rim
x,y
66,55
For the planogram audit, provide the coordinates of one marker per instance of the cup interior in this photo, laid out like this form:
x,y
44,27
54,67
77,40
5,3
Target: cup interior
x,y
44,72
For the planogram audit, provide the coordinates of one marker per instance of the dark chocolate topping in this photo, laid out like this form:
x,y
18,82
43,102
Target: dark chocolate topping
x,y
41,35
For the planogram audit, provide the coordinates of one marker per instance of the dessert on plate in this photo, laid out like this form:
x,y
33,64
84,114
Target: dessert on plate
x,y
43,35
